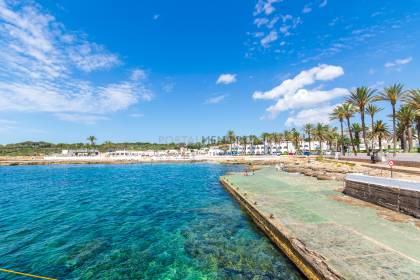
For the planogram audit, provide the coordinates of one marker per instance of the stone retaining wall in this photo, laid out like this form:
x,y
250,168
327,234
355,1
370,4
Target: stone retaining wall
x,y
390,195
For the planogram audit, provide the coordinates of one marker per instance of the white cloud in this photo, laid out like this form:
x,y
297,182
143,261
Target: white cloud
x,y
39,67
261,21
271,37
314,115
90,57
323,3
168,87
291,94
226,79
304,98
307,77
398,62
216,99
307,9
138,74
265,6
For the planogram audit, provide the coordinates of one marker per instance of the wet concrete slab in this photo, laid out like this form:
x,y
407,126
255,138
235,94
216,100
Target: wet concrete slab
x,y
354,239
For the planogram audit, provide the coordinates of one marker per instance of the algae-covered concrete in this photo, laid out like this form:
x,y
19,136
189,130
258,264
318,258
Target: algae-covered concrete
x,y
355,239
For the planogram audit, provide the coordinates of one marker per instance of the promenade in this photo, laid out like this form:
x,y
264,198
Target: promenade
x,y
327,234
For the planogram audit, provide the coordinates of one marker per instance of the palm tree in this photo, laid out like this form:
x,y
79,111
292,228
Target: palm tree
x,y
244,141
92,140
252,139
231,137
361,97
356,130
319,133
265,137
339,114
332,137
380,130
392,94
308,128
277,138
287,137
349,110
372,110
413,100
406,116
295,137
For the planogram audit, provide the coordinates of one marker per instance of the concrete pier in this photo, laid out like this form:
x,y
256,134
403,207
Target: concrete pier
x,y
327,234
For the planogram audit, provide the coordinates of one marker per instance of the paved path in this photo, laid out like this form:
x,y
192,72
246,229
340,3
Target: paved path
x,y
358,240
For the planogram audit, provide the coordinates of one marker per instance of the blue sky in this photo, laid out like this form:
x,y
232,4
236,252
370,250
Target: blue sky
x,y
143,70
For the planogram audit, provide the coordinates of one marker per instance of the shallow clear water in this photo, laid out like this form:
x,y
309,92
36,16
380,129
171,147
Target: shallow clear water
x,y
160,221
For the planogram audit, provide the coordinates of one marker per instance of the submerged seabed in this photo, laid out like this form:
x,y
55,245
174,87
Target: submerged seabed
x,y
160,221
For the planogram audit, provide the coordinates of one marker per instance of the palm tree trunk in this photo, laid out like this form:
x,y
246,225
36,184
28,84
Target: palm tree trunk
x,y
351,137
394,133
342,137
320,148
409,138
380,144
373,136
418,128
309,136
362,115
404,140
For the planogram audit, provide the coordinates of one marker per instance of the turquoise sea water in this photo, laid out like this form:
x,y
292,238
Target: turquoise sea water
x,y
160,221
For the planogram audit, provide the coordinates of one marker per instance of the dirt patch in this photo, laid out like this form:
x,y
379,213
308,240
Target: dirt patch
x,y
351,201
384,213
392,216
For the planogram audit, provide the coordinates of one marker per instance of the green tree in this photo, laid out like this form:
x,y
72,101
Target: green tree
x,y
339,114
380,130
231,137
308,128
92,140
392,94
320,132
356,130
360,98
372,110
295,137
287,137
348,109
406,116
413,100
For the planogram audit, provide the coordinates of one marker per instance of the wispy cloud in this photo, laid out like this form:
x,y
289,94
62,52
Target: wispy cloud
x,y
216,99
307,9
40,61
398,62
323,3
265,6
226,79
271,37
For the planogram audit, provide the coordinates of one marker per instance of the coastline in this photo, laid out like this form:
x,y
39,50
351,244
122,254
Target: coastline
x,y
263,160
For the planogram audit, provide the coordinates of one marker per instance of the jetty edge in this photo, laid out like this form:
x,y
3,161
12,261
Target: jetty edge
x,y
311,264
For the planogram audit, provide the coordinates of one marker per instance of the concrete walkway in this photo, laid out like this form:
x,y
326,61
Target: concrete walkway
x,y
356,239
